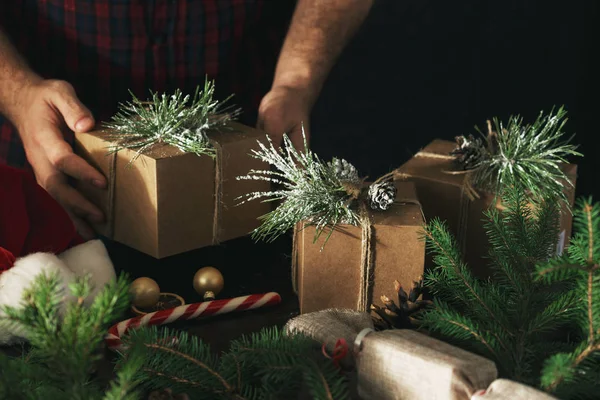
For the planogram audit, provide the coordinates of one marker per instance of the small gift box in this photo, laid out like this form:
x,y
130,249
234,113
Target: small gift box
x,y
352,239
447,192
165,200
357,264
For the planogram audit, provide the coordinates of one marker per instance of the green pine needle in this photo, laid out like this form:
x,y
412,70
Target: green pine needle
x,y
309,190
529,155
513,317
503,317
264,365
177,120
65,342
571,371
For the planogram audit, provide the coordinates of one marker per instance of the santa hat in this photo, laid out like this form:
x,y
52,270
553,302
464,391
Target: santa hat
x,y
37,236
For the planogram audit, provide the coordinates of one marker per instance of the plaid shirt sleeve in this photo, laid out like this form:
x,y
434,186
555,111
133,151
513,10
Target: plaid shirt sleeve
x,y
105,48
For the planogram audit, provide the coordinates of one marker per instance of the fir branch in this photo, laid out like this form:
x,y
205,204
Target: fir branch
x,y
310,191
451,323
227,387
260,366
65,341
505,316
177,120
582,259
560,311
124,387
448,259
529,155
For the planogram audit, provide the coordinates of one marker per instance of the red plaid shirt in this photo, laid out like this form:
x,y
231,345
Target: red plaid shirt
x,y
106,47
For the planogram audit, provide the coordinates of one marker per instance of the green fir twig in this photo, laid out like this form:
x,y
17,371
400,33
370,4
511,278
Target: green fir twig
x,y
511,316
574,373
265,365
178,120
65,342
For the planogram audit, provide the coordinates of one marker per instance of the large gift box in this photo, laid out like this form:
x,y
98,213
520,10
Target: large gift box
x,y
357,264
168,201
444,194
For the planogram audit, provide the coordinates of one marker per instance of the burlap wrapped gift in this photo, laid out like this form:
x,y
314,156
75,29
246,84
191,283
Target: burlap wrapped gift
x,y
399,364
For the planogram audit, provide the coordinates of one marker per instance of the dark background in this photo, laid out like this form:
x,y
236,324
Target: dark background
x,y
420,69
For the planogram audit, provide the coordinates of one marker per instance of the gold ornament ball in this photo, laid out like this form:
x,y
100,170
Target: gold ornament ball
x,y
208,282
146,292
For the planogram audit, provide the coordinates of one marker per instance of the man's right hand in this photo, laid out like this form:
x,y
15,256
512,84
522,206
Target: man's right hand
x,y
46,109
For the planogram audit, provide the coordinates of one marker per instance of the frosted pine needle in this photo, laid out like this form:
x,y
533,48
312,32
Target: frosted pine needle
x,y
178,120
528,155
310,190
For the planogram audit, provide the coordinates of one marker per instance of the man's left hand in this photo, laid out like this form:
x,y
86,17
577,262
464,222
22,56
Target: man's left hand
x,y
285,110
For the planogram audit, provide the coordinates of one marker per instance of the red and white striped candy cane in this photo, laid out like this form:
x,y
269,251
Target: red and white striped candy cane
x,y
189,312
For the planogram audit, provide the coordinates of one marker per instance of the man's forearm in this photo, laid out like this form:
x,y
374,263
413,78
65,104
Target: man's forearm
x,y
15,74
319,31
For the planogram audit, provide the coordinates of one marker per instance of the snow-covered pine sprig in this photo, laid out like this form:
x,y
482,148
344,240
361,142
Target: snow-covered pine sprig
x,y
310,190
529,155
178,120
322,194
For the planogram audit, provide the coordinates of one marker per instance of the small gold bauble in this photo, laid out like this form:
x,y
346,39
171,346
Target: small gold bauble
x,y
208,282
145,292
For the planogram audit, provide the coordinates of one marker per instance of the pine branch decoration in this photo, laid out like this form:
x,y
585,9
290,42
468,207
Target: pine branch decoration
x,y
265,365
509,317
178,120
64,345
567,372
529,155
324,194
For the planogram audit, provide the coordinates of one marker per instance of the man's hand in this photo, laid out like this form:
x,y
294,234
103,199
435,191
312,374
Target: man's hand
x,y
46,109
285,110
318,32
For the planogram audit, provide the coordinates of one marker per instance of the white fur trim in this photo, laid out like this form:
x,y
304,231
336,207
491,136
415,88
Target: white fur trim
x,y
20,277
90,258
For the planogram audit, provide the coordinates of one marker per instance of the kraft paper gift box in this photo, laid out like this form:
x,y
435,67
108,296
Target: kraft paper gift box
x,y
339,275
444,195
167,201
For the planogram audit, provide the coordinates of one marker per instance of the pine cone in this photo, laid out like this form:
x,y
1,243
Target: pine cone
x,y
401,315
470,152
382,195
345,171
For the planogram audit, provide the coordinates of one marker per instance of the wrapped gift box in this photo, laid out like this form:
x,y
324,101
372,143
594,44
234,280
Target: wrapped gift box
x,y
167,201
443,195
330,274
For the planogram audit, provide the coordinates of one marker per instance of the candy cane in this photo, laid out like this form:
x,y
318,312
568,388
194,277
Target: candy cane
x,y
189,312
